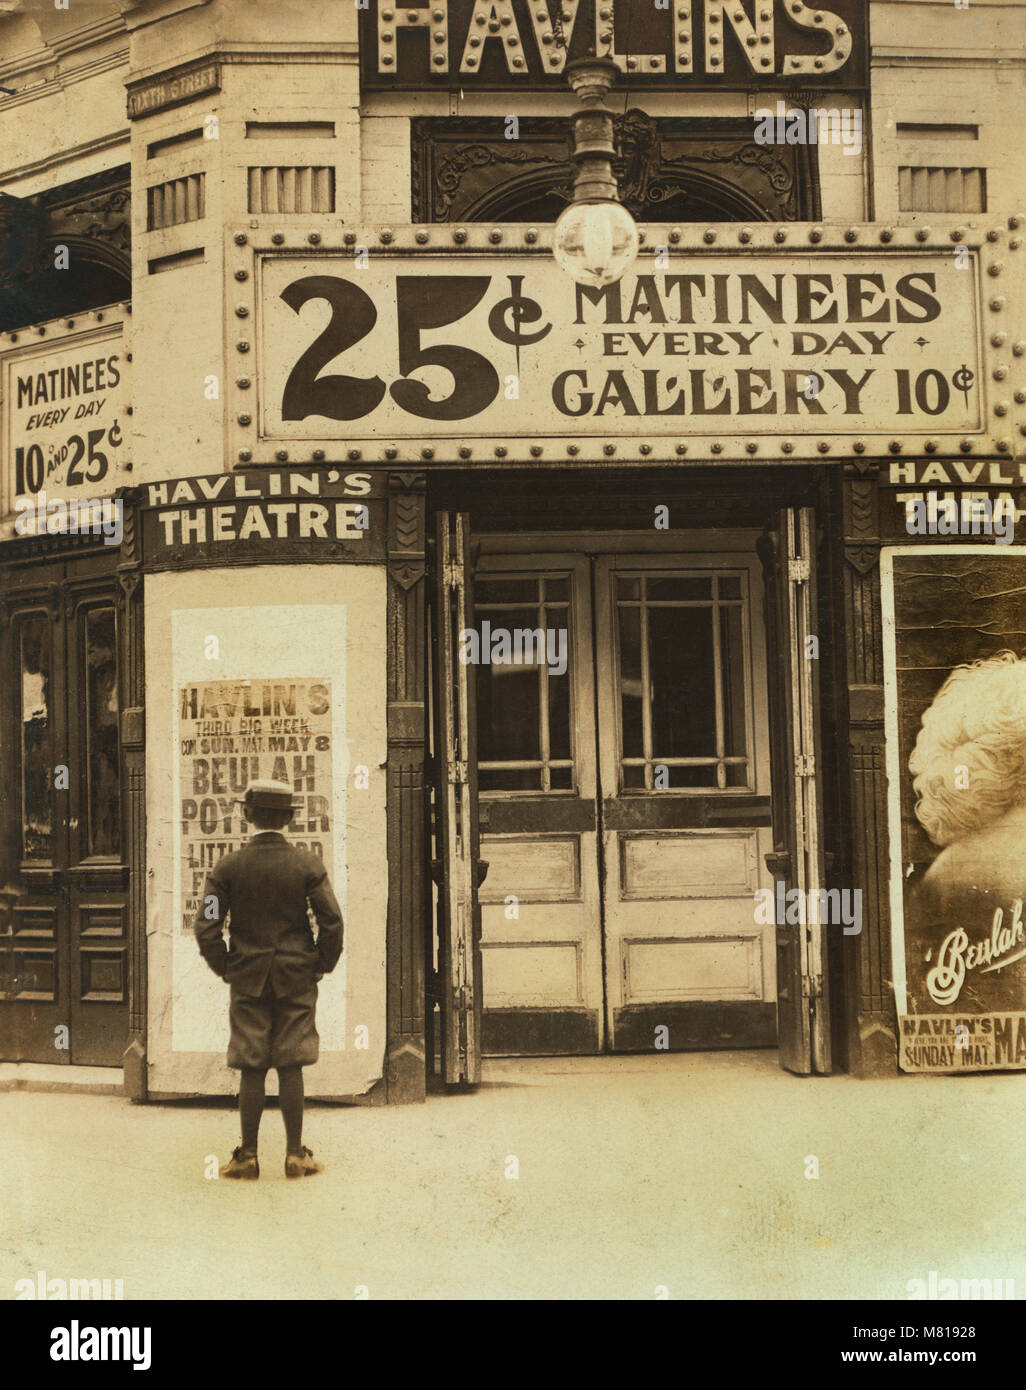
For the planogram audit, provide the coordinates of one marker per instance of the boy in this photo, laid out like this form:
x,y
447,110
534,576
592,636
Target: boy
x,y
272,966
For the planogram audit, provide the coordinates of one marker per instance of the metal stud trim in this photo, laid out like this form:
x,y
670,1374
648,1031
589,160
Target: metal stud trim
x,y
1001,361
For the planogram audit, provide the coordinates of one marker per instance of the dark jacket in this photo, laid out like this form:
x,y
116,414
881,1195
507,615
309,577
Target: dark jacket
x,y
263,889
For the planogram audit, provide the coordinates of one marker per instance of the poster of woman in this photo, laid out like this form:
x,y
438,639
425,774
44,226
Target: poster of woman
x,y
955,679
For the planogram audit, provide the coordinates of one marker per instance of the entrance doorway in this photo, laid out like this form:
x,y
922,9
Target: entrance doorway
x,y
63,873
624,794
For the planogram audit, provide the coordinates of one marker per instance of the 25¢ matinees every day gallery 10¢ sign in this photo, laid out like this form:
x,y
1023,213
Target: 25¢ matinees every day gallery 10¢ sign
x,y
477,354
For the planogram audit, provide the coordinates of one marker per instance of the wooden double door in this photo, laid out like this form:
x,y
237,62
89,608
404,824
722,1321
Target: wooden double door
x,y
64,939
624,796
627,765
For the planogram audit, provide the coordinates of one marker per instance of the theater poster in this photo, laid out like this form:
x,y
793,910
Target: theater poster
x,y
232,733
955,680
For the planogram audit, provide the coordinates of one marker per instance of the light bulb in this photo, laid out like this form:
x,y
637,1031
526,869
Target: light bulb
x,y
595,242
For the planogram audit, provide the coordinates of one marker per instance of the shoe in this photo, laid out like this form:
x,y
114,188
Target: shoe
x,y
242,1164
302,1165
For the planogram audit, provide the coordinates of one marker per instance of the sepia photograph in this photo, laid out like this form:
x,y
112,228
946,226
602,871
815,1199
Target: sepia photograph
x,y
512,666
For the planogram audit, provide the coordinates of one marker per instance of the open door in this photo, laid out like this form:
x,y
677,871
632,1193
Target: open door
x,y
65,966
459,915
797,862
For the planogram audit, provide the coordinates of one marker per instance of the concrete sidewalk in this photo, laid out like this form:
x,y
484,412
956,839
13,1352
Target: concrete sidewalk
x,y
685,1171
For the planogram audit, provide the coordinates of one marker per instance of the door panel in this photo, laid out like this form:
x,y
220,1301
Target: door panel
x,y
459,954
797,859
541,914
96,877
63,907
35,963
685,776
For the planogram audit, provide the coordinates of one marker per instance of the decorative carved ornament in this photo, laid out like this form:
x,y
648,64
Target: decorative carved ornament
x,y
92,218
95,213
862,529
465,169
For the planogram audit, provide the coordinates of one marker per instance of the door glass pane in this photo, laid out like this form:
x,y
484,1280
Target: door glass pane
x,y
680,588
508,695
487,591
631,690
523,701
683,694
103,798
680,647
733,667
704,776
509,779
559,714
36,732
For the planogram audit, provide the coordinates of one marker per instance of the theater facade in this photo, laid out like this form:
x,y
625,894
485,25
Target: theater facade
x,y
646,658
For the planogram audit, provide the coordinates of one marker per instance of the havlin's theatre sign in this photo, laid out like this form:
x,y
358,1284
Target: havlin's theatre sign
x,y
703,43
453,354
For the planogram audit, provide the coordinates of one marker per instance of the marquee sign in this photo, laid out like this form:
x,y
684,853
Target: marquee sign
x,y
523,44
251,516
461,354
64,393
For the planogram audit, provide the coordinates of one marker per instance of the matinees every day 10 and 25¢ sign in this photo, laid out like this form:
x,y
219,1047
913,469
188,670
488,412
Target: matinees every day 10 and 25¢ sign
x,y
65,402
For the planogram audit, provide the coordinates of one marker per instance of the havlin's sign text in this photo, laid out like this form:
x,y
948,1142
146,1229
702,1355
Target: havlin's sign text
x,y
719,44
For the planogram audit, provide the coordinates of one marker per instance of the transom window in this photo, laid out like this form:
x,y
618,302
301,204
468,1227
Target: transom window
x,y
684,697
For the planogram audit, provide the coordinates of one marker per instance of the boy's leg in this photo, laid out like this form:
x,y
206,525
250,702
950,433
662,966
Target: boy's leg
x,y
299,1162
251,1105
290,1101
294,1046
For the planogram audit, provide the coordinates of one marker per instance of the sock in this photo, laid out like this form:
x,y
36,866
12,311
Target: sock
x,y
251,1105
290,1101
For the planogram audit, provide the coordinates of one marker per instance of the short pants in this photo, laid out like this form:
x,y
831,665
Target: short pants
x,y
273,1031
